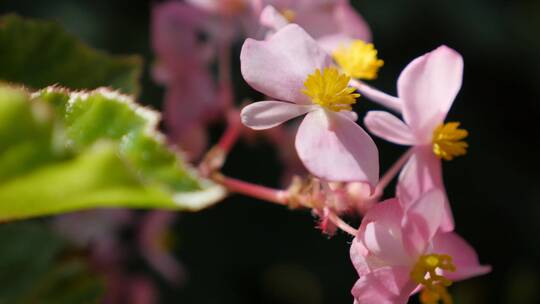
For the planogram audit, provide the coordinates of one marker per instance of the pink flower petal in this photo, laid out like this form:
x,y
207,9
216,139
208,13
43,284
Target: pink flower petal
x,y
422,173
273,19
377,96
382,236
340,19
428,87
351,22
358,254
336,149
389,127
387,285
268,114
422,220
349,115
463,256
279,66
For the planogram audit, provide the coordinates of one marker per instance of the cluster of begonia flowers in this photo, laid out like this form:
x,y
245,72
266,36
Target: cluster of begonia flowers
x,y
312,58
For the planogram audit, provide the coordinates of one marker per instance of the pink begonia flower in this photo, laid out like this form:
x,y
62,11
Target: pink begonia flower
x,y
192,99
175,29
191,104
331,22
398,252
230,17
426,89
154,245
292,68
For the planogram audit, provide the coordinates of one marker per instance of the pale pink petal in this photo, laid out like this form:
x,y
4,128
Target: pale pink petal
x,y
273,19
349,115
381,234
428,87
350,22
339,19
463,256
389,127
268,114
331,42
388,101
422,220
387,285
336,149
358,254
422,173
279,66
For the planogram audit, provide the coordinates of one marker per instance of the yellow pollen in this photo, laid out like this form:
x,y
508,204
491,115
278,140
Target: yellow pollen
x,y
289,14
330,89
358,60
435,285
448,141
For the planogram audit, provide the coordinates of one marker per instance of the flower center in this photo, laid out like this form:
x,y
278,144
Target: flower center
x,y
330,89
288,14
435,285
447,141
359,60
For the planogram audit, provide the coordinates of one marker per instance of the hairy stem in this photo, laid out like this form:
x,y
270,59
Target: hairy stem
x,y
276,196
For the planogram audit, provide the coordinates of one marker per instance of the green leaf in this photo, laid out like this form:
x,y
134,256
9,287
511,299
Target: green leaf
x,y
63,151
35,269
39,53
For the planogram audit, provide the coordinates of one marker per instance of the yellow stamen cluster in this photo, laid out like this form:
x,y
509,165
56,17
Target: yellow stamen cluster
x,y
435,285
358,60
289,15
448,141
330,89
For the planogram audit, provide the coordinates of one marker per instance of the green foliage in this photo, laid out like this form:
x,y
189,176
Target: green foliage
x,y
35,269
40,53
63,151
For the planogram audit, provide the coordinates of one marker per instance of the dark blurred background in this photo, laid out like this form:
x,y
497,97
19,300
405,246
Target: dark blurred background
x,y
246,251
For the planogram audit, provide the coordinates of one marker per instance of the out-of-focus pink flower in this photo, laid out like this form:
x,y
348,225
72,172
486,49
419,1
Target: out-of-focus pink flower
x,y
191,103
192,99
331,22
426,89
96,230
175,37
153,245
129,289
292,68
229,8
398,252
230,18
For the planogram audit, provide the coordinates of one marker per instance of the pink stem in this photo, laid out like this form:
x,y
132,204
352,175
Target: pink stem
x,y
232,132
391,173
263,193
341,224
377,96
